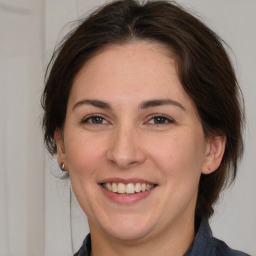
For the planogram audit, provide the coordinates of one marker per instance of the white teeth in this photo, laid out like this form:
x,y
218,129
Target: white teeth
x,y
137,187
121,188
109,187
129,188
114,187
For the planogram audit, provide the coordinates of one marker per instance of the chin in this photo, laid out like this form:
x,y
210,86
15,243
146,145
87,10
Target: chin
x,y
128,228
130,234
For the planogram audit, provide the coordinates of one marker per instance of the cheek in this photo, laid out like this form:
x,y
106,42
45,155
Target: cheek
x,y
180,154
84,153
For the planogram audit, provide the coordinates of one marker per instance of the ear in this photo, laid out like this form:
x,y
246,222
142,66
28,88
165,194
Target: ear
x,y
61,154
214,152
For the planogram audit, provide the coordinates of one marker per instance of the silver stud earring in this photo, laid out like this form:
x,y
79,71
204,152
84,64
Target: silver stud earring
x,y
62,167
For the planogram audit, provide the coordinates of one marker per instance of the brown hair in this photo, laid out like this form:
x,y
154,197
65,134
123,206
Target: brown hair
x,y
204,68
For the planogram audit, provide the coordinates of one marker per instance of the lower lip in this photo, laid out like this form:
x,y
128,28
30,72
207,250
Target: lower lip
x,y
126,199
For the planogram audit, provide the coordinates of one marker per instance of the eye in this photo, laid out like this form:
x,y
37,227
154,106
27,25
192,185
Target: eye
x,y
160,120
95,120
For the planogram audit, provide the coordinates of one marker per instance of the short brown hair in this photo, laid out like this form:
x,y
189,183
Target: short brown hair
x,y
204,68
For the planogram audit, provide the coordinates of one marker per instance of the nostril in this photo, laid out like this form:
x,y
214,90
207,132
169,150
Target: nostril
x,y
126,159
124,148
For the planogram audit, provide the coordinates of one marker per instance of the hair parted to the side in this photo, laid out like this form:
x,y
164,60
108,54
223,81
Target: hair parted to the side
x,y
204,69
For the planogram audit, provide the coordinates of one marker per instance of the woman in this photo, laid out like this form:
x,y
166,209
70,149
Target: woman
x,y
142,108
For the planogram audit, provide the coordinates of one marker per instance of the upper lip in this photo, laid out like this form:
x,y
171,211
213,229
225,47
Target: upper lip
x,y
126,181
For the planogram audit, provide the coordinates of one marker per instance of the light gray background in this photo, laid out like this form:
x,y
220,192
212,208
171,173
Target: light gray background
x,y
34,205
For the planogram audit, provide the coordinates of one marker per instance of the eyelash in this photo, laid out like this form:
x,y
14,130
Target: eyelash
x,y
162,118
93,117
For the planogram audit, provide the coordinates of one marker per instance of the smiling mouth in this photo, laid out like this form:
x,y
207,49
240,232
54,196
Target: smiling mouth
x,y
130,188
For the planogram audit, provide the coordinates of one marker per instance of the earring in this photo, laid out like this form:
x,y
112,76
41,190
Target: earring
x,y
62,167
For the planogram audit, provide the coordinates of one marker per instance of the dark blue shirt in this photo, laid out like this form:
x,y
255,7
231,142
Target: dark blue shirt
x,y
204,244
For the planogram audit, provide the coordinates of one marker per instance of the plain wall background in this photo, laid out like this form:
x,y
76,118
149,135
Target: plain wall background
x,y
35,215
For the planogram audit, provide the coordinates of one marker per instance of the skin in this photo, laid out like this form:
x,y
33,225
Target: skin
x,y
130,142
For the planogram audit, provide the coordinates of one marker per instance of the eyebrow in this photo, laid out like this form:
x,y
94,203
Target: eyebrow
x,y
160,102
95,103
144,105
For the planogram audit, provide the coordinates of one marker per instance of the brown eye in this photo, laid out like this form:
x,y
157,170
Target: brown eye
x,y
95,120
160,120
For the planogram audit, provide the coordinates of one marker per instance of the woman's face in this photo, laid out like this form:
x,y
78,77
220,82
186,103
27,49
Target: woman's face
x,y
133,143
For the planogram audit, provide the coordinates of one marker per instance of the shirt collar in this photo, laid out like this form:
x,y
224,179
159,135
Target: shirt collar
x,y
202,244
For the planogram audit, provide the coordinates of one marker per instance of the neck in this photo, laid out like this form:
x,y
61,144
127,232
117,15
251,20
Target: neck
x,y
173,241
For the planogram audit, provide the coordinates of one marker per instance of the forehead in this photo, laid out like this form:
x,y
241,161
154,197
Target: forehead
x,y
136,70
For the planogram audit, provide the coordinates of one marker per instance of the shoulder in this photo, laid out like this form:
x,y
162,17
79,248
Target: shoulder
x,y
205,244
85,249
222,249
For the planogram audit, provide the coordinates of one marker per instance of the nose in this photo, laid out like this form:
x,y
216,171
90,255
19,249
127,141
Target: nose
x,y
126,149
